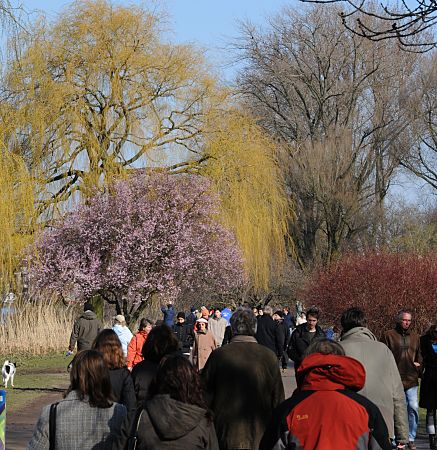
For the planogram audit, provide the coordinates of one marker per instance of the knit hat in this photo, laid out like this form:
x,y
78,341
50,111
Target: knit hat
x,y
180,315
120,318
279,313
88,306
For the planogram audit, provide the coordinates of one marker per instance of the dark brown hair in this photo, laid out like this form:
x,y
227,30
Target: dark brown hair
x,y
89,377
161,341
143,324
177,377
108,344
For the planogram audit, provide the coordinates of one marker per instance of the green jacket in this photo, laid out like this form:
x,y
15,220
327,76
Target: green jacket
x,y
85,330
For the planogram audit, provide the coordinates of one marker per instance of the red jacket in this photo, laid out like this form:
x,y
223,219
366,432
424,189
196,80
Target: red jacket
x,y
325,412
135,348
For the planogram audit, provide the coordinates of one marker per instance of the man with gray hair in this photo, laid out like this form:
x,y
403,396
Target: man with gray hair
x,y
244,385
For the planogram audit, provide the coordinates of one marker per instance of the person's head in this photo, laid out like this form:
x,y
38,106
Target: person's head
x,y
177,378
217,313
243,322
285,310
268,311
119,319
260,311
303,315
87,306
325,346
145,325
180,318
352,318
404,319
204,312
89,377
312,316
108,344
201,325
255,310
161,341
278,315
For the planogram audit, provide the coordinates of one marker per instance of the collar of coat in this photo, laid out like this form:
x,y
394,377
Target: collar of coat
x,y
243,338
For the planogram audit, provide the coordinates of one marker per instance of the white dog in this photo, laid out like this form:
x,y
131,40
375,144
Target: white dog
x,y
8,372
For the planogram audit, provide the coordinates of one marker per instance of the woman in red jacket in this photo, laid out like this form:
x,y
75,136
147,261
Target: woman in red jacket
x,y
135,347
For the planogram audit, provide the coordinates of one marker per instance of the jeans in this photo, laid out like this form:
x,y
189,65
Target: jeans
x,y
412,411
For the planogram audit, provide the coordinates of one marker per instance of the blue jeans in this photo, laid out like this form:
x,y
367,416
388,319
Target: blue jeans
x,y
412,411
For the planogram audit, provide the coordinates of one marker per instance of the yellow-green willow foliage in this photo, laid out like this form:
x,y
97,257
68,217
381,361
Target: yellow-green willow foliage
x,y
99,92
16,214
242,167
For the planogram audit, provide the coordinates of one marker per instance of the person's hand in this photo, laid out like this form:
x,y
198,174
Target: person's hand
x,y
130,369
416,364
400,445
69,353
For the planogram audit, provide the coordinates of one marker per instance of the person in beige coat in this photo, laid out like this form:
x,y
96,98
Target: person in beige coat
x,y
204,344
383,384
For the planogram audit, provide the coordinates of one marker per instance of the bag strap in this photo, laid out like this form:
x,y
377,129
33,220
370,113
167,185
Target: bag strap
x,y
52,426
133,438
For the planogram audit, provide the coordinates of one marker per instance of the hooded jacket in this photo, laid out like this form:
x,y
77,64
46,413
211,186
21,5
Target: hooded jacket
x,y
325,412
85,330
405,347
383,384
124,334
170,424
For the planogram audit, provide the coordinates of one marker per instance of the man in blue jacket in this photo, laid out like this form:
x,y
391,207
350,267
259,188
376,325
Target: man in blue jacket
x,y
168,312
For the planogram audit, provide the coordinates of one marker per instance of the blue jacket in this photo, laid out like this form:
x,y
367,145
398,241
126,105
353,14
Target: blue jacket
x,y
124,334
168,315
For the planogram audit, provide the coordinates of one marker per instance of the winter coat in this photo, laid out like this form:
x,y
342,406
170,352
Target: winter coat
x,y
405,347
267,334
289,321
243,385
124,334
168,315
85,330
135,348
142,375
204,344
185,335
300,341
79,426
383,383
169,424
217,327
428,387
325,412
191,319
123,389
228,335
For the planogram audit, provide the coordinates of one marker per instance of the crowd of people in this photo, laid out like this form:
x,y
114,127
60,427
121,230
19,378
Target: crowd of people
x,y
211,379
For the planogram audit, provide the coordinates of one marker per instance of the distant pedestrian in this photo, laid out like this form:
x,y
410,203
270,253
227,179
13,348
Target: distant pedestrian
x,y
168,314
191,317
184,332
428,387
289,319
122,331
85,329
267,332
217,325
405,346
135,347
243,384
86,418
204,344
282,336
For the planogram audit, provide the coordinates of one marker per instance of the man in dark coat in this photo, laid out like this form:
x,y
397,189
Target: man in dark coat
x,y
85,329
243,385
282,335
267,332
184,333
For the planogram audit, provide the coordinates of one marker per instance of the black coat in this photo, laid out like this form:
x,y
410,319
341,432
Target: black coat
x,y
267,334
123,389
299,342
142,376
428,387
185,335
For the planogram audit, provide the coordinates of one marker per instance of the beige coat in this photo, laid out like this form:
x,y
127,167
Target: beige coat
x,y
204,344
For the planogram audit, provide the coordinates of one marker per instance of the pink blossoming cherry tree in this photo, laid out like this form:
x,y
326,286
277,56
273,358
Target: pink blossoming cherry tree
x,y
156,234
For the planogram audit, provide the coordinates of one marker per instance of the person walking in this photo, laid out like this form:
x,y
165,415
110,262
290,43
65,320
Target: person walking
x,y
383,384
428,387
85,329
243,385
184,332
175,415
168,312
122,331
267,332
135,347
87,417
204,344
303,335
325,411
405,346
282,336
217,325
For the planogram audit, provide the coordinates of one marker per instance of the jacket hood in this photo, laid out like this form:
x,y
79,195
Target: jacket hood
x,y
89,315
172,419
330,372
359,333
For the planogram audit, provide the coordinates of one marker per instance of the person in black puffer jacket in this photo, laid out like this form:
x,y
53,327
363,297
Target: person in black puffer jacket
x,y
184,333
108,344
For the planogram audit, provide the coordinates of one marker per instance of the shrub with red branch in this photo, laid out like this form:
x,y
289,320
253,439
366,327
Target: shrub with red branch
x,y
380,283
156,234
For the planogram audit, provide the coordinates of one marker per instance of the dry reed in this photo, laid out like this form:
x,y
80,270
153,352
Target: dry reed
x,y
37,329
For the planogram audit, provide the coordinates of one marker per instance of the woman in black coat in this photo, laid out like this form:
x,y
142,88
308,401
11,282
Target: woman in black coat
x,y
108,344
428,387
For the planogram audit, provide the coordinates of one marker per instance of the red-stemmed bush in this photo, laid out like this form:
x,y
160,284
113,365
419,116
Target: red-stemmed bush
x,y
381,284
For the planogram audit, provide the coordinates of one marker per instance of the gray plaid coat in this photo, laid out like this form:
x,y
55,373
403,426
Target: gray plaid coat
x,y
79,426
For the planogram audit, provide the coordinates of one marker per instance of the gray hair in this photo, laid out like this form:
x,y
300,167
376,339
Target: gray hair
x,y
268,310
401,313
243,322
